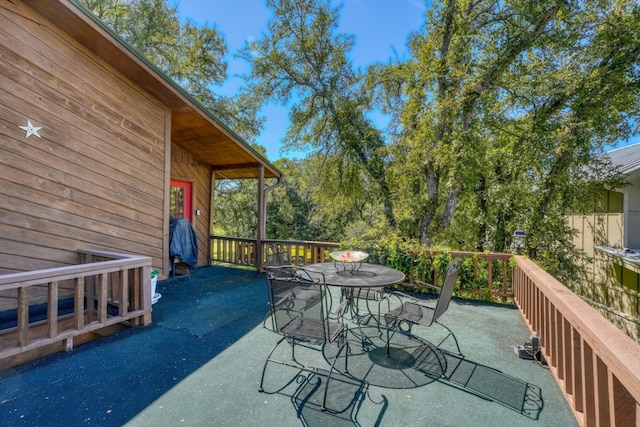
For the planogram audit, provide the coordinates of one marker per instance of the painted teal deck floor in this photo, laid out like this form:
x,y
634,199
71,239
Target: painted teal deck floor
x,y
199,364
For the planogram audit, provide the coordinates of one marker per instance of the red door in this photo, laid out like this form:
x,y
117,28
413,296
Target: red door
x,y
180,202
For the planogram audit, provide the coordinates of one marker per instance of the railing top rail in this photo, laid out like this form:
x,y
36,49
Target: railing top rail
x,y
481,255
301,242
616,349
268,241
108,254
26,278
242,239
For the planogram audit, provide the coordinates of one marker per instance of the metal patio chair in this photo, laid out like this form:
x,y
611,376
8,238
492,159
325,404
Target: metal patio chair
x,y
298,321
280,258
277,255
413,312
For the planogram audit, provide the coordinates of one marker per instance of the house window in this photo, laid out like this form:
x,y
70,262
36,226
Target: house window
x,y
615,202
609,202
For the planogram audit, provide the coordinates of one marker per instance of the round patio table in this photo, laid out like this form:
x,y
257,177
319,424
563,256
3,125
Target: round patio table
x,y
362,281
363,275
359,282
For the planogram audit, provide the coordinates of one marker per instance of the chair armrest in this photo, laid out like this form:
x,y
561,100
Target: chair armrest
x,y
428,285
283,299
411,299
402,294
340,309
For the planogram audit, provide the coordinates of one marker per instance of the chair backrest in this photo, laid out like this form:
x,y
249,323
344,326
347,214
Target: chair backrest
x,y
290,290
277,255
446,292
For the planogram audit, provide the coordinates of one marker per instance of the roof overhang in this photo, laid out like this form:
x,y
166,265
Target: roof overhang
x,y
193,127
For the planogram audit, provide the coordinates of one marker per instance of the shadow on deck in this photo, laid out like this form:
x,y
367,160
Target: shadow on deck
x,y
199,363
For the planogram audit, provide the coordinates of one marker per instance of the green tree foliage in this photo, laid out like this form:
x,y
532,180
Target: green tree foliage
x,y
501,109
298,211
497,114
301,58
192,55
236,208
292,214
496,117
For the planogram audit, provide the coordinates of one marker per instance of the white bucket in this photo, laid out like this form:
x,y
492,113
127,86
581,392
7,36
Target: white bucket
x,y
154,283
154,295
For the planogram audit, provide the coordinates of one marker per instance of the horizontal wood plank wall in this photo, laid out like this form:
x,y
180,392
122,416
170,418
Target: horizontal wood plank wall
x,y
95,177
185,167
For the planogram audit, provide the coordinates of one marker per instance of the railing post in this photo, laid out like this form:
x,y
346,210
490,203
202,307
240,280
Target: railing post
x,y
23,316
101,294
78,309
143,284
258,255
123,292
52,309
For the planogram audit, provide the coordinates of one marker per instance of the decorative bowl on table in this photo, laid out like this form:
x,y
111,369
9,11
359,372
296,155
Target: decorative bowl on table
x,y
353,259
349,256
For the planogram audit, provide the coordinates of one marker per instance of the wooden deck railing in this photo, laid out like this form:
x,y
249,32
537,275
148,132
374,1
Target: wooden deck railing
x,y
242,251
494,267
45,310
596,365
233,250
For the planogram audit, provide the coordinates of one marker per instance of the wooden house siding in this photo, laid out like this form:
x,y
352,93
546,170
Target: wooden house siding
x,y
96,177
186,167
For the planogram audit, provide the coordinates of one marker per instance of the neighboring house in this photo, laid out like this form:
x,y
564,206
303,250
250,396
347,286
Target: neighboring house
x,y
98,148
611,236
628,160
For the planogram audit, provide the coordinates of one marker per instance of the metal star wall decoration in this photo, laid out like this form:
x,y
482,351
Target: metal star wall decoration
x,y
31,129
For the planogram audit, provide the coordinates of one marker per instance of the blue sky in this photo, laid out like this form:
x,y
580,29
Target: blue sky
x,y
381,28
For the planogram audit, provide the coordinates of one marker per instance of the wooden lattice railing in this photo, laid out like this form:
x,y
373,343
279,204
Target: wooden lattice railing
x,y
493,268
242,251
596,364
43,311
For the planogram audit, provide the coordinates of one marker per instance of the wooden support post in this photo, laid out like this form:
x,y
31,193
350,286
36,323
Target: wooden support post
x,y
259,263
589,386
90,296
567,350
212,218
